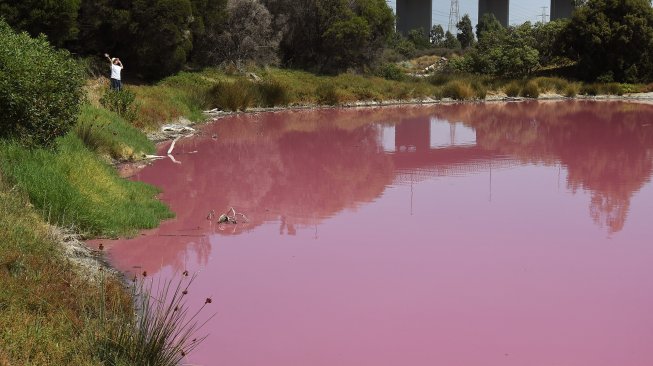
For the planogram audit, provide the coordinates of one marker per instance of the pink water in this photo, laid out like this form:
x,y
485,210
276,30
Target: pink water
x,y
497,234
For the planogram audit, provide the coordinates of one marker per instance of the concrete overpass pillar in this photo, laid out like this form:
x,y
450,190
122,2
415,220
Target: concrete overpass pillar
x,y
561,9
414,14
497,7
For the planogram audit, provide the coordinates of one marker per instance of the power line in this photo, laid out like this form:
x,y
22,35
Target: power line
x,y
544,15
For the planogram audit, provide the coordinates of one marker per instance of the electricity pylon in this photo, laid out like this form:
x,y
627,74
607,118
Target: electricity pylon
x,y
454,17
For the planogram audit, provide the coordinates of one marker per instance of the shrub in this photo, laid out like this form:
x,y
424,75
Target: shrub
x,y
328,93
272,93
551,84
40,88
120,102
479,89
458,90
530,90
235,96
611,89
589,89
512,89
571,90
392,72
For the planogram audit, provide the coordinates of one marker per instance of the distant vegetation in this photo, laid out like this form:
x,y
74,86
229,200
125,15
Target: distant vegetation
x,y
605,40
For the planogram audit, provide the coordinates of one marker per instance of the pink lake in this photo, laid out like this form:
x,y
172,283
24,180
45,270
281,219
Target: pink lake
x,y
457,235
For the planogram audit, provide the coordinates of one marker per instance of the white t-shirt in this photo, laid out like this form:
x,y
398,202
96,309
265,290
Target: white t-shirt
x,y
115,71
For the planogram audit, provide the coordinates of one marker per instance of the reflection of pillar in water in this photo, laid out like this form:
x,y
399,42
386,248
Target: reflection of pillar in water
x,y
413,133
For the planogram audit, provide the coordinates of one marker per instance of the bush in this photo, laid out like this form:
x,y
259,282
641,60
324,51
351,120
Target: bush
x,y
589,89
512,89
272,93
391,72
328,93
571,90
236,96
40,88
551,84
120,102
479,89
458,90
530,90
611,89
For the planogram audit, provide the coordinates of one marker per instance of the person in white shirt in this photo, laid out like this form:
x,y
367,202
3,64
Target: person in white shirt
x,y
116,68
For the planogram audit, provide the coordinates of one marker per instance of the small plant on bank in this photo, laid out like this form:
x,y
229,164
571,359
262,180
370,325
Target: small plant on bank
x,y
512,90
236,96
391,71
161,332
120,102
479,89
589,89
272,93
458,90
571,90
328,94
530,90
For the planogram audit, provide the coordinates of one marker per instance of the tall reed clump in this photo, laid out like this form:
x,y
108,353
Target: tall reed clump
x,y
327,93
551,84
571,90
72,187
272,93
233,96
160,333
530,90
458,90
512,89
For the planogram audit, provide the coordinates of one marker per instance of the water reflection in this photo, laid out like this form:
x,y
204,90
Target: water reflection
x,y
299,168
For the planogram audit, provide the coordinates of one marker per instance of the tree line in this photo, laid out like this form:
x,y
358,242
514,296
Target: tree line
x,y
158,37
606,40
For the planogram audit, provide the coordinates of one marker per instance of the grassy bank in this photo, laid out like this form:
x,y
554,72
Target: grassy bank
x,y
187,94
49,307
48,312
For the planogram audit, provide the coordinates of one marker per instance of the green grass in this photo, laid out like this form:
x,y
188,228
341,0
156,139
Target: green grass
x,y
73,187
108,134
46,308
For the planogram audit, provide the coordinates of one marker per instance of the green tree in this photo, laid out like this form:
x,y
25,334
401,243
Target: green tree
x,y
417,37
503,52
488,22
209,21
436,35
332,35
465,32
56,19
612,39
451,42
40,88
160,36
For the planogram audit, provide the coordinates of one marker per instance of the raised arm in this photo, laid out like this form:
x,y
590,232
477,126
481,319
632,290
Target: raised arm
x,y
107,56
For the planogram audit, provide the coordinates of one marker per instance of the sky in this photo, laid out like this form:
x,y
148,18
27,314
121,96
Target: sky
x,y
520,10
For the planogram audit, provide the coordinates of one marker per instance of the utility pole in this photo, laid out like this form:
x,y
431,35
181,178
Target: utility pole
x,y
454,17
544,15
